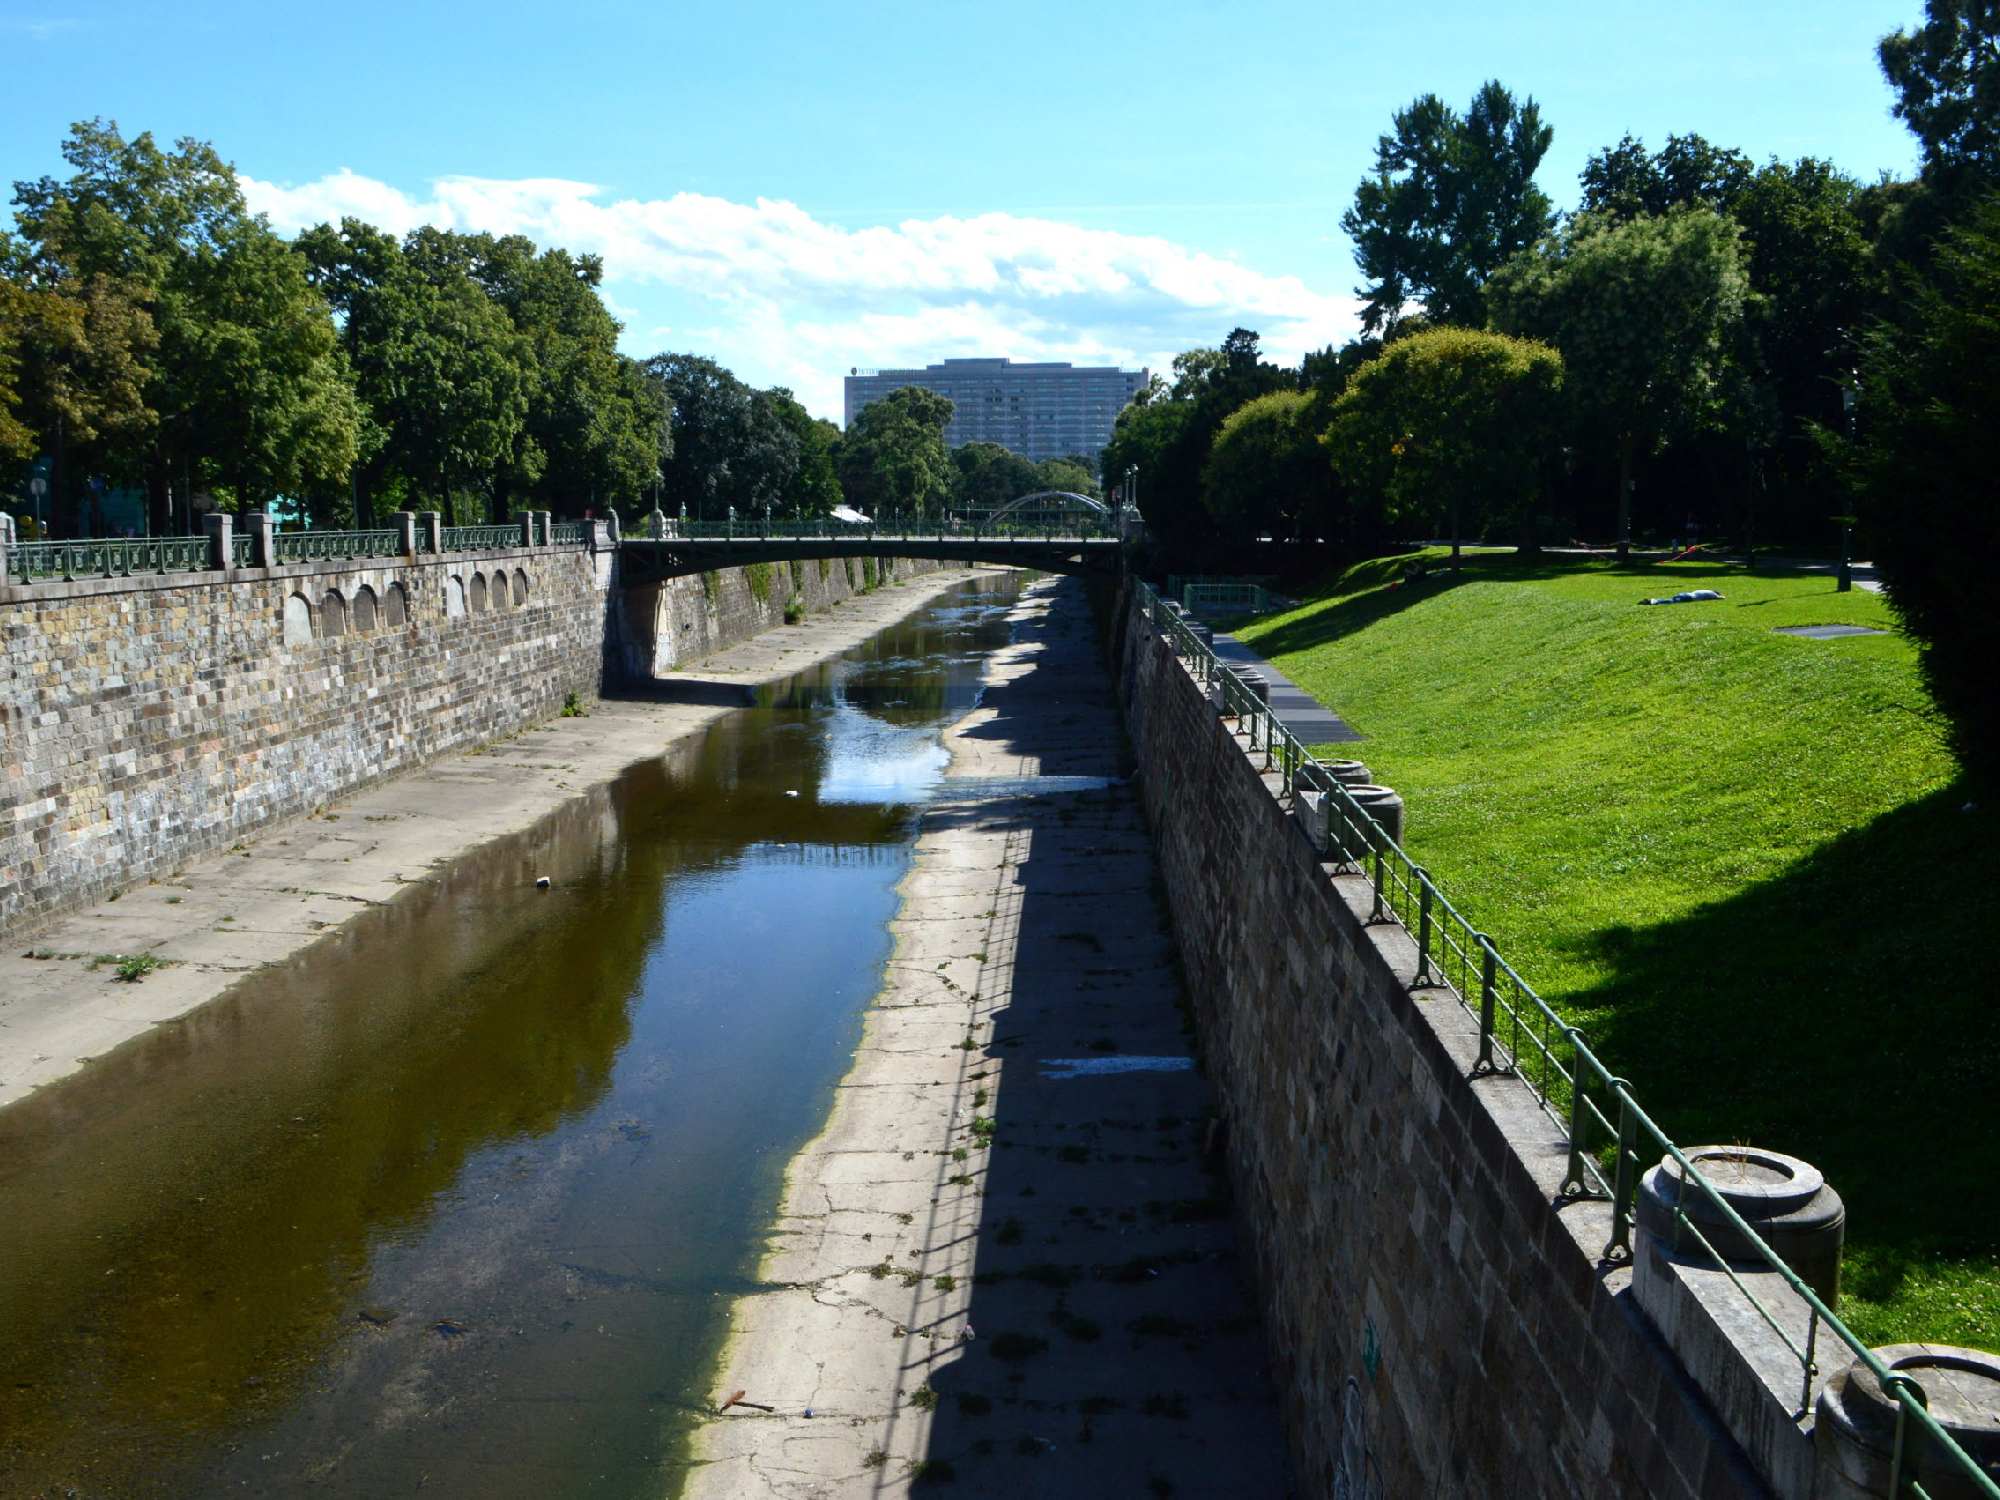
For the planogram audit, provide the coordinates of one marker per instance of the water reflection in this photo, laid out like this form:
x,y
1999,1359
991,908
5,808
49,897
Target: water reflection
x,y
452,1198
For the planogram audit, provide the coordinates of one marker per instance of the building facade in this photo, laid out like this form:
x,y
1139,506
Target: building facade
x,y
1037,410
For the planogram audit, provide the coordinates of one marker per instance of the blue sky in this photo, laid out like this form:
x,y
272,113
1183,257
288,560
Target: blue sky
x,y
796,189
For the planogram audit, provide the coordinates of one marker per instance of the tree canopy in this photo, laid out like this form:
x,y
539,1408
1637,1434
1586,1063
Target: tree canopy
x,y
1450,199
893,460
1946,74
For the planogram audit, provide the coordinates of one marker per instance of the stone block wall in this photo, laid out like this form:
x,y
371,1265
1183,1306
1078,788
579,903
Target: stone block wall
x,y
668,625
1439,1320
146,720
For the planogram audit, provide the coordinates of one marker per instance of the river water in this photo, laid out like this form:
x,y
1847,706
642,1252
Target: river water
x,y
455,1201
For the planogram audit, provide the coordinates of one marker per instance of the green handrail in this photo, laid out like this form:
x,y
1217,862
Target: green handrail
x,y
1569,1082
108,557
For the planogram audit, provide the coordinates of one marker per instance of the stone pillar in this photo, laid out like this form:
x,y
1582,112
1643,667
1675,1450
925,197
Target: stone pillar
x,y
548,527
656,525
6,544
263,550
406,524
611,522
431,526
525,519
1854,1428
221,539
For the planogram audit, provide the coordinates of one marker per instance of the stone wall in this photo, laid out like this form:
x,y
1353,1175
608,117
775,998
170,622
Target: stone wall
x,y
146,720
668,625
1440,1325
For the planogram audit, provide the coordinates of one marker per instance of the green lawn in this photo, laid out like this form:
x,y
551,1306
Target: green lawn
x,y
1739,860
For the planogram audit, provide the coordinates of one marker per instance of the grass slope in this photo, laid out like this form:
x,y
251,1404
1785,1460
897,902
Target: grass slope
x,y
1737,859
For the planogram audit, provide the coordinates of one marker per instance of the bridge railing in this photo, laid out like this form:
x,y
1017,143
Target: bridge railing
x,y
125,557
1610,1138
899,528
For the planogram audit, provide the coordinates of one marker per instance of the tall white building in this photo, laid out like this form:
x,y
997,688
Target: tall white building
x,y
1038,410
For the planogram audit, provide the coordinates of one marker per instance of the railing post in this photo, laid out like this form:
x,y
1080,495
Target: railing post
x,y
548,519
1624,1181
1423,979
1381,912
433,531
1488,966
525,519
731,533
6,545
262,549
406,531
1579,1117
221,538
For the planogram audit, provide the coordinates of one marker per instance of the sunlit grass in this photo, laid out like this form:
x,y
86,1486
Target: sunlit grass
x,y
1736,858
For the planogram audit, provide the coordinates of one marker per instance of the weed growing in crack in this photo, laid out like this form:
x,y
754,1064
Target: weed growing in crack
x,y
923,1398
944,1283
979,1097
880,1269
959,1153
877,1458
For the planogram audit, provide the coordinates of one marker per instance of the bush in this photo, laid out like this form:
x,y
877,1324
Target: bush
x,y
795,609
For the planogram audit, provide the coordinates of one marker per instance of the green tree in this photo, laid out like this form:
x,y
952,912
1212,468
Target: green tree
x,y
986,476
1646,314
1624,182
732,446
244,380
1451,428
1922,465
1267,474
814,488
893,460
1450,199
1068,474
1946,74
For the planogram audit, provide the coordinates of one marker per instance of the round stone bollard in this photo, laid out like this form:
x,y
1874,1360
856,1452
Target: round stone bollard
x,y
1785,1200
1347,842
1256,685
1854,1427
1351,772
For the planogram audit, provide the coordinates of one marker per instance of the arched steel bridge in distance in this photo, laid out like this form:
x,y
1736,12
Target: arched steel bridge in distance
x,y
1077,539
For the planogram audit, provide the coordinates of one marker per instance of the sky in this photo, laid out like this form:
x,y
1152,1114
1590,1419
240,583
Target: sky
x,y
800,189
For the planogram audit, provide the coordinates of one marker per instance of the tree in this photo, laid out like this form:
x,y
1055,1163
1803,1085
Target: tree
x,y
732,446
1451,428
987,476
1071,475
1922,465
814,489
1623,182
1267,474
235,321
1946,74
1451,198
1645,313
893,459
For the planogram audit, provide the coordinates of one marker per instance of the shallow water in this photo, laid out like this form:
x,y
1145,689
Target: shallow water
x,y
455,1200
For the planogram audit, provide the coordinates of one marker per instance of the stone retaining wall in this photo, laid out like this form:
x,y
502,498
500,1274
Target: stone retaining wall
x,y
1439,1325
668,625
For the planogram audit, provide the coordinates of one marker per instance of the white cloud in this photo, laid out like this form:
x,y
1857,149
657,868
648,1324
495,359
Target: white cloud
x,y
794,300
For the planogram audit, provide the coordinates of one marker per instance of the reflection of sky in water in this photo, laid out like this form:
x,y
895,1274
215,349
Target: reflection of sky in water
x,y
870,761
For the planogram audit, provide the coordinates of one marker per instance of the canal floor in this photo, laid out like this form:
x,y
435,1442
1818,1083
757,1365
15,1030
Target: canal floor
x,y
457,1201
1006,1266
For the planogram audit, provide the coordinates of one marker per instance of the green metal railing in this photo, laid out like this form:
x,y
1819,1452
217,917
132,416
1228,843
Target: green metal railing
x,y
887,528
479,538
313,546
119,557
1521,1037
569,533
1225,597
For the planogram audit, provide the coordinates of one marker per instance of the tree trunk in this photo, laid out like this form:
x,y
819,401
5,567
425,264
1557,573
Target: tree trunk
x,y
1457,551
1625,446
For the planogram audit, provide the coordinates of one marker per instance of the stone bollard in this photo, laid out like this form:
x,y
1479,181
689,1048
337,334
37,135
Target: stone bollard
x,y
221,528
1259,687
262,528
1854,1427
1747,1368
1345,841
406,529
611,521
1785,1200
525,519
432,531
548,527
6,544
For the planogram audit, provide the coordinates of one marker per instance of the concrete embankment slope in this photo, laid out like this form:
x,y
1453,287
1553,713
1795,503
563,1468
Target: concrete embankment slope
x,y
222,916
1008,1262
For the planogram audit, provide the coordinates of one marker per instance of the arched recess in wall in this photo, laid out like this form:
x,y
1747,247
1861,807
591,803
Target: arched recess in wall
x,y
298,620
476,595
454,598
333,614
520,588
365,612
500,588
395,606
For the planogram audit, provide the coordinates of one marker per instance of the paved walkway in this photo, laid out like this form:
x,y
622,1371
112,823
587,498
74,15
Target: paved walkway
x,y
1006,1268
1304,715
